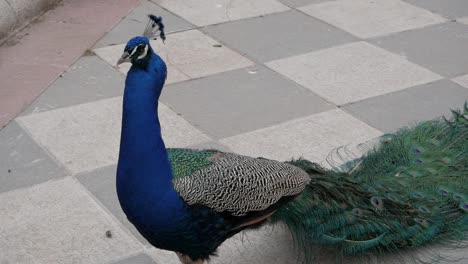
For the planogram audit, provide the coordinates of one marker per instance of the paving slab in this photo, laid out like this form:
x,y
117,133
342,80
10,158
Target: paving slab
x,y
58,222
23,163
450,9
369,18
463,20
410,106
138,259
135,22
202,13
47,48
234,102
87,136
352,72
447,56
88,80
462,80
99,183
188,54
278,35
299,3
81,137
312,137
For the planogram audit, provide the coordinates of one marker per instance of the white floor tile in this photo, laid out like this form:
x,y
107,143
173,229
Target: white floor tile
x,y
462,80
463,20
58,222
207,12
189,54
312,137
371,18
85,137
111,54
352,72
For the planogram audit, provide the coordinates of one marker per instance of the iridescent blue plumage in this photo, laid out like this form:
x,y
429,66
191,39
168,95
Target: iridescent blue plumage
x,y
144,173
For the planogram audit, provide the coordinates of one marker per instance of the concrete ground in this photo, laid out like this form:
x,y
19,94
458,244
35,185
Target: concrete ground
x,y
271,78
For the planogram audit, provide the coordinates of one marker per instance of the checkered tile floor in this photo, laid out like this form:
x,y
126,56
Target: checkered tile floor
x,y
277,79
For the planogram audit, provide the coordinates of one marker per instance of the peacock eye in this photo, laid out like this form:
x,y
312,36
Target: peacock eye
x,y
140,47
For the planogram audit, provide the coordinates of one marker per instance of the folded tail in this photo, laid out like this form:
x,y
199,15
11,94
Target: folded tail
x,y
409,191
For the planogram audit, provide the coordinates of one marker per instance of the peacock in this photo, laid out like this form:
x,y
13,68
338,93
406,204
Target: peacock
x,y
407,191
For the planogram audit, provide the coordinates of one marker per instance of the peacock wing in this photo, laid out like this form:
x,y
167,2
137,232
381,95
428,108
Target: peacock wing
x,y
232,183
184,162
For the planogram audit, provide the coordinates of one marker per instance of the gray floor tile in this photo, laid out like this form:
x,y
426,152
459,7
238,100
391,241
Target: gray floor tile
x,y
89,79
22,162
138,259
424,102
101,183
240,101
447,8
440,48
134,24
299,3
278,35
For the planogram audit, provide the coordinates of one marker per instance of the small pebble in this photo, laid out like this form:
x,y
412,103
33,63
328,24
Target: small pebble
x,y
9,171
217,45
108,234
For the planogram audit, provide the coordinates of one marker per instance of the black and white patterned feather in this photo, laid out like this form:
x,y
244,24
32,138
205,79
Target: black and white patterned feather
x,y
239,184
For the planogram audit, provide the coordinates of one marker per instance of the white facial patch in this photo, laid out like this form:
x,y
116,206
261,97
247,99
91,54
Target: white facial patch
x,y
133,51
144,53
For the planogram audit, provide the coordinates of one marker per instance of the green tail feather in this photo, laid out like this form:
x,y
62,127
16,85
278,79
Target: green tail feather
x,y
409,191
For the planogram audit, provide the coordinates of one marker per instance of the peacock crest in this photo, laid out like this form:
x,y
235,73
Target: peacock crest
x,y
155,28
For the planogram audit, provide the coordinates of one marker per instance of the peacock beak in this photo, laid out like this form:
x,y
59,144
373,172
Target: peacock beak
x,y
125,58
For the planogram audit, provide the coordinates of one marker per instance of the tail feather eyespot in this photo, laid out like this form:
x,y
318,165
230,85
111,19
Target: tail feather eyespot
x,y
377,202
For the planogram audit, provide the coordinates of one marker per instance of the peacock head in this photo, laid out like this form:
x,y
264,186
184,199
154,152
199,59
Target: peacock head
x,y
138,49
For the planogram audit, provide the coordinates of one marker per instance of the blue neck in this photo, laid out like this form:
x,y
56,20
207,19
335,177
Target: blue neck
x,y
144,175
